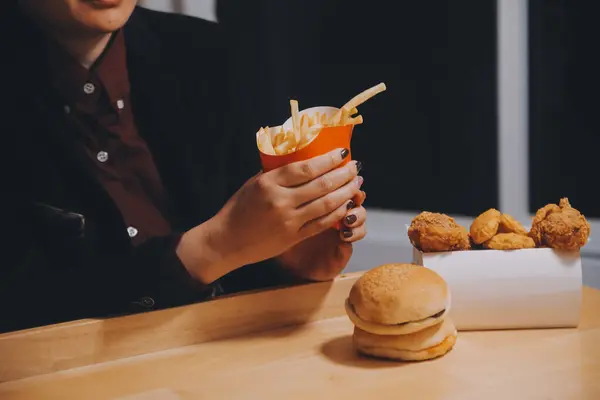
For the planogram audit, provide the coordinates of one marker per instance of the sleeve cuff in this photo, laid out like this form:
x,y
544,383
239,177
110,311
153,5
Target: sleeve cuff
x,y
173,285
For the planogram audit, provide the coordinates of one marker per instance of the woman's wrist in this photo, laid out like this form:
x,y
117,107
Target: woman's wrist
x,y
206,253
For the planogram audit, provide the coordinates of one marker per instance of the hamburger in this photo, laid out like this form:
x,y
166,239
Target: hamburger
x,y
400,311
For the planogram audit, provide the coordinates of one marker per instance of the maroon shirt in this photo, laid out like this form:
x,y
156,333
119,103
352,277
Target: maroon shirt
x,y
99,102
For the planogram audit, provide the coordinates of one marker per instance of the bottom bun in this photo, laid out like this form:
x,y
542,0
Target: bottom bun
x,y
427,344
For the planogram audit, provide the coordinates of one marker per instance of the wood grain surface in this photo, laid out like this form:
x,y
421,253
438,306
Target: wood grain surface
x,y
316,360
80,343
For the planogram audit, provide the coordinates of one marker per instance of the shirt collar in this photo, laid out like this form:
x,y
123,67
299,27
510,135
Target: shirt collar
x,y
106,79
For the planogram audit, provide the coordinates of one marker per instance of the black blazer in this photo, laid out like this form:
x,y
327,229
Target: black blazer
x,y
65,253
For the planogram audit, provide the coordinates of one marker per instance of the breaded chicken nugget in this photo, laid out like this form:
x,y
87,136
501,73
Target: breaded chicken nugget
x,y
435,232
510,225
485,226
509,241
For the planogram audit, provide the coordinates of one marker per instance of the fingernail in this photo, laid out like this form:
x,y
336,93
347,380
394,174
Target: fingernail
x,y
350,219
350,205
359,180
359,166
347,233
344,153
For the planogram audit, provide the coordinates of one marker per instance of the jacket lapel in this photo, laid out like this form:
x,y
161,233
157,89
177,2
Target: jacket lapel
x,y
43,142
45,165
166,120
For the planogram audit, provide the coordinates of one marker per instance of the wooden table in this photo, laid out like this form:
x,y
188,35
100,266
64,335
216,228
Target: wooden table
x,y
288,343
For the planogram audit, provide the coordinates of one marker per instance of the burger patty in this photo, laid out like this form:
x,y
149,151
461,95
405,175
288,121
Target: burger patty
x,y
436,315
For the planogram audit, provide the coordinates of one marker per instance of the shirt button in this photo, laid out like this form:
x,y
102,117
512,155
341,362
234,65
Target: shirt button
x,y
120,104
102,156
89,88
145,302
67,109
132,232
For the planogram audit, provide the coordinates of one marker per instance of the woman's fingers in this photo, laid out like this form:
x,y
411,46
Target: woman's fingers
x,y
325,184
355,217
327,221
360,198
350,235
354,227
302,172
338,199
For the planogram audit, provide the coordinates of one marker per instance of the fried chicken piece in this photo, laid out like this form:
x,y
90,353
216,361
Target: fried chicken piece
x,y
509,241
536,233
560,227
434,232
510,225
485,226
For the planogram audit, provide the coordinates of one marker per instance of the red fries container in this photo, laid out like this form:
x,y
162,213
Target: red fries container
x,y
328,139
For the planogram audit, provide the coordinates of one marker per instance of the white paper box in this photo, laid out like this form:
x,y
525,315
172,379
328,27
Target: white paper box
x,y
516,289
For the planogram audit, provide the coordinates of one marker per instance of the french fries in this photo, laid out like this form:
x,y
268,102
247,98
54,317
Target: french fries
x,y
357,101
264,141
305,128
295,119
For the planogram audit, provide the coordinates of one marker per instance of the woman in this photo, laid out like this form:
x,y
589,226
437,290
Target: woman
x,y
123,171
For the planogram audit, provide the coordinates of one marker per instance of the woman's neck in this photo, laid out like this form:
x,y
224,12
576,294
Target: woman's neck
x,y
85,50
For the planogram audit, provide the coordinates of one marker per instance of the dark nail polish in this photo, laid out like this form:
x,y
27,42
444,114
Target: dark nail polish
x,y
359,166
345,153
350,205
347,233
350,219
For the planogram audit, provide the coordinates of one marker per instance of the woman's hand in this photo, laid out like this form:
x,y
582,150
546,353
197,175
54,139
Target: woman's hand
x,y
353,224
323,256
271,213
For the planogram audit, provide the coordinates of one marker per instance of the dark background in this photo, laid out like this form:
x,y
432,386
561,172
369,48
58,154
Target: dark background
x,y
564,105
429,141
